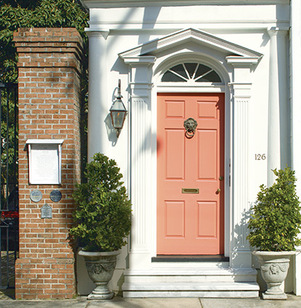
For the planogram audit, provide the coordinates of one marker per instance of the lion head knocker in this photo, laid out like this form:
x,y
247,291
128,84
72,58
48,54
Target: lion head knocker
x,y
190,125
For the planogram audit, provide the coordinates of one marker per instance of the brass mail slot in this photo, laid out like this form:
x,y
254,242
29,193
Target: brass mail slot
x,y
190,190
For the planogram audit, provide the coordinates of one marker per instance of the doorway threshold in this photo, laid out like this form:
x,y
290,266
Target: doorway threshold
x,y
190,258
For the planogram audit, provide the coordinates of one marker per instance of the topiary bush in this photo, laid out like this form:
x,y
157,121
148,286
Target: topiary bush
x,y
103,214
276,220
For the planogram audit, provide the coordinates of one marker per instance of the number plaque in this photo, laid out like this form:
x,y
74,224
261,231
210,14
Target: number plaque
x,y
46,211
55,195
35,195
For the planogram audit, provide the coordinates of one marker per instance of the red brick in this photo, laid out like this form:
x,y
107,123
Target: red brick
x,y
48,108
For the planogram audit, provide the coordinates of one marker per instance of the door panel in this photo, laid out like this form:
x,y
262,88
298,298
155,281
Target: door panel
x,y
207,227
175,218
190,208
207,158
175,148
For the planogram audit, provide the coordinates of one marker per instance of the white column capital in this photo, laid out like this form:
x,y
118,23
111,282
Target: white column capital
x,y
240,90
274,31
141,60
238,61
140,72
102,33
242,71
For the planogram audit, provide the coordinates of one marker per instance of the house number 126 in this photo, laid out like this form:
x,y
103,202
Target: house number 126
x,y
260,157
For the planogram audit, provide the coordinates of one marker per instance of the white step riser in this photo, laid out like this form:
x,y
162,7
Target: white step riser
x,y
209,286
205,289
191,282
204,294
200,265
193,279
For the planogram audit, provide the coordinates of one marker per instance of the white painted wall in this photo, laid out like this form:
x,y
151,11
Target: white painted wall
x,y
115,30
129,27
295,94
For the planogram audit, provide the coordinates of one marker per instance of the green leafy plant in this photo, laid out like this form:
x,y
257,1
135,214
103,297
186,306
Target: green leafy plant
x,y
276,219
103,213
15,14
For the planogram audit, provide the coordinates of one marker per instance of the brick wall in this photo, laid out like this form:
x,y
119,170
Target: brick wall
x,y
49,66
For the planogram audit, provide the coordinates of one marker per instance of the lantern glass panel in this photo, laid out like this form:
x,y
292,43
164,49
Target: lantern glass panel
x,y
118,118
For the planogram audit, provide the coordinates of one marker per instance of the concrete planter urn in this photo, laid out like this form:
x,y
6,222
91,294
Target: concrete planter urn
x,y
274,267
102,221
100,267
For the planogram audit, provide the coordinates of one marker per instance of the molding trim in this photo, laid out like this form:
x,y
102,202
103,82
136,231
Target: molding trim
x,y
134,3
139,60
97,33
243,61
190,34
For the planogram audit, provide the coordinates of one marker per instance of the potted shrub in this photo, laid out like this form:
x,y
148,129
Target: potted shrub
x,y
102,221
274,227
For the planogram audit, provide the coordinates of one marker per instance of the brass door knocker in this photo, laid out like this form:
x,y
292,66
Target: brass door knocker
x,y
190,126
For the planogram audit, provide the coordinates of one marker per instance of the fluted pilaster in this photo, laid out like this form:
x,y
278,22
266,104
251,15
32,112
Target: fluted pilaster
x,y
140,118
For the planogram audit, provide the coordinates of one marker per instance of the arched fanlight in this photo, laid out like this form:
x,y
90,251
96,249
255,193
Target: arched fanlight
x,y
118,111
191,72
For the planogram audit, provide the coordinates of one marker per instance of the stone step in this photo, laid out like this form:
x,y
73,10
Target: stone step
x,y
191,281
192,289
198,265
195,275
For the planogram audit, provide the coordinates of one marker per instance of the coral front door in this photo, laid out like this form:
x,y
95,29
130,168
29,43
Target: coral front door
x,y
190,204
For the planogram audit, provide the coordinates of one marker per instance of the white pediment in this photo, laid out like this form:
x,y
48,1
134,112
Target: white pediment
x,y
153,47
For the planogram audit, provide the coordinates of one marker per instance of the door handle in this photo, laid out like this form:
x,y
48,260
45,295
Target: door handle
x,y
218,191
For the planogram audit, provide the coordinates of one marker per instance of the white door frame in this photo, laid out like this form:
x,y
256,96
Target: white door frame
x,y
144,75
178,87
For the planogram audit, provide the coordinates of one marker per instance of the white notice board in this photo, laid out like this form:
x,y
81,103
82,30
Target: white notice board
x,y
44,161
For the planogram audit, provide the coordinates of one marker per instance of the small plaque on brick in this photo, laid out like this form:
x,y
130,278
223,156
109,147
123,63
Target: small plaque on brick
x,y
44,160
35,195
46,211
55,195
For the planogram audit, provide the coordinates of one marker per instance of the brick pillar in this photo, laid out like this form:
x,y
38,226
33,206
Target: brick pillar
x,y
49,66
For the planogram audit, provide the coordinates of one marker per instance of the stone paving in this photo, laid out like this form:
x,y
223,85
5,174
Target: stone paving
x,y
119,302
7,301
7,294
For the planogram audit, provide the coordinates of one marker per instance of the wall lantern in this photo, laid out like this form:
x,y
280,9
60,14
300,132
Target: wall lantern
x,y
118,111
